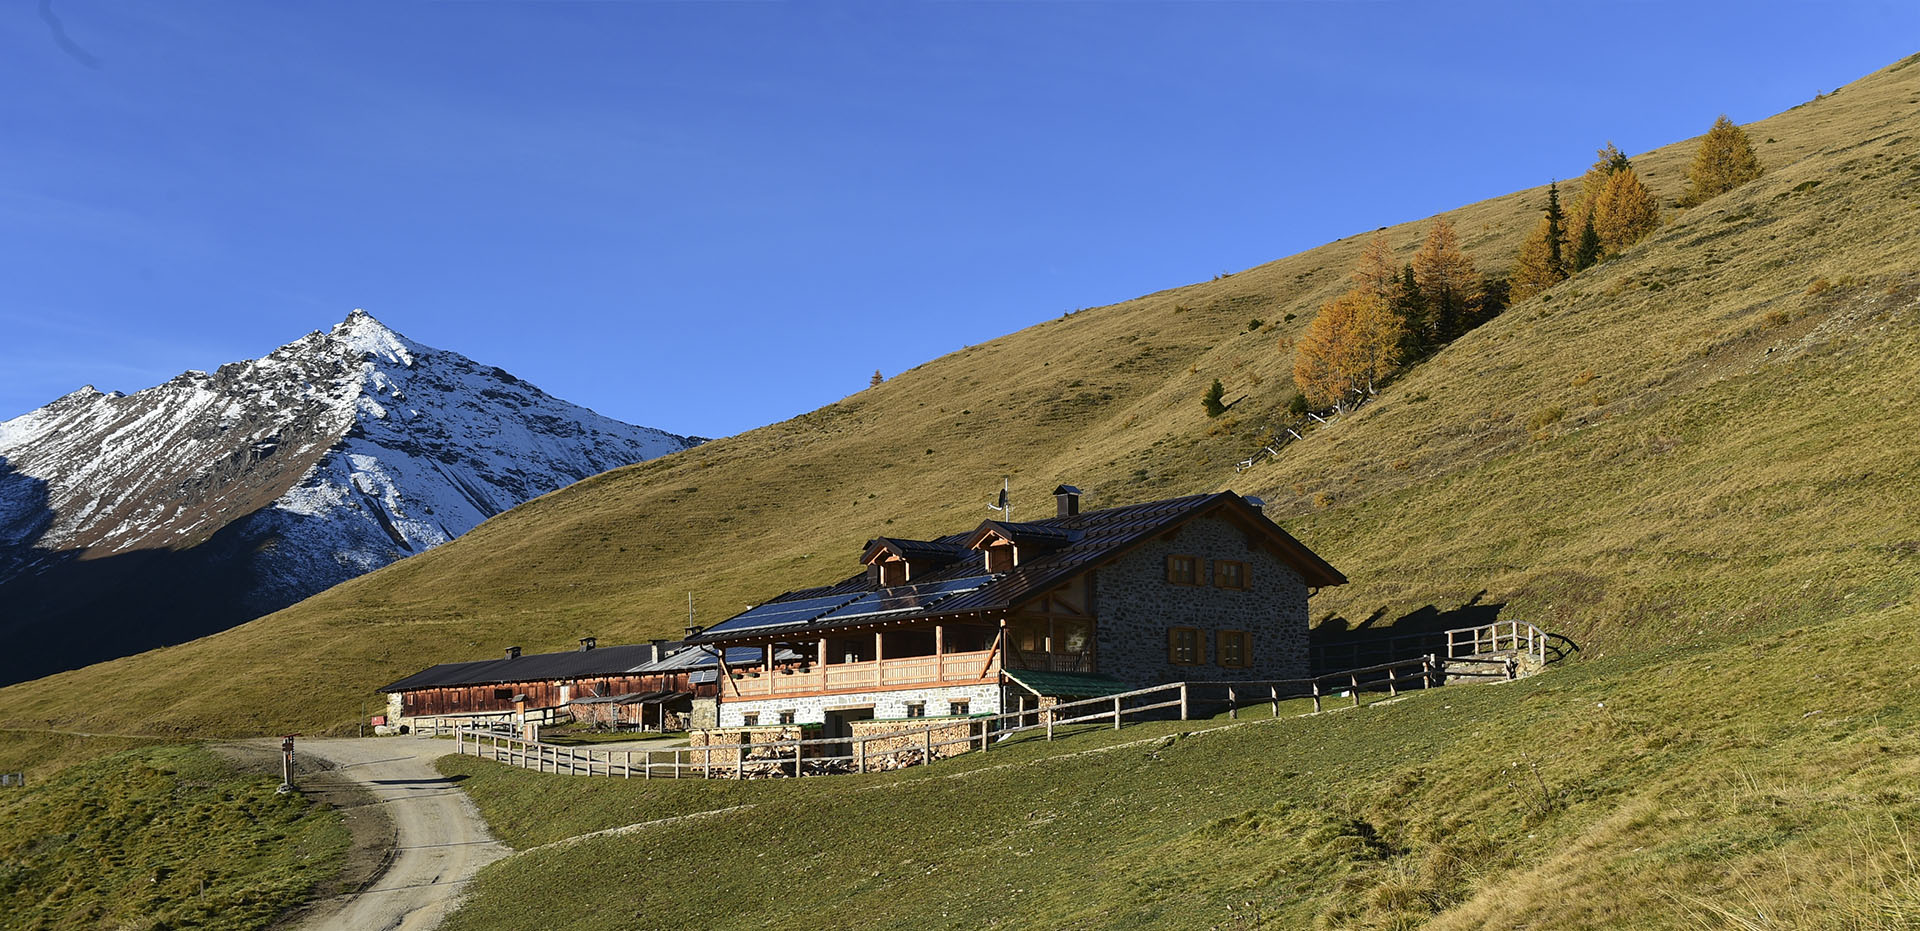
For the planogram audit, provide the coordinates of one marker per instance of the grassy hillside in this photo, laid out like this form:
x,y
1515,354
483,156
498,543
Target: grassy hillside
x,y
1732,441
1768,784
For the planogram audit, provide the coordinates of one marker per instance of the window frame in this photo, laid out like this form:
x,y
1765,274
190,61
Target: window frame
x,y
960,707
1245,639
749,719
786,718
1246,580
916,709
1192,573
1199,647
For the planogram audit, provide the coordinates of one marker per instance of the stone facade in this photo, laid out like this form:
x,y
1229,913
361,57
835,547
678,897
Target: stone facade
x,y
982,698
1136,606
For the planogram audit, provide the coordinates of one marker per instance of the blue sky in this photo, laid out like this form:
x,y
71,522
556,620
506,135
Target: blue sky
x,y
707,217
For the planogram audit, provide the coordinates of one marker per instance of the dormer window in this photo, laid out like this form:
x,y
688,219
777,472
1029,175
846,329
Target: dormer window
x,y
999,556
893,572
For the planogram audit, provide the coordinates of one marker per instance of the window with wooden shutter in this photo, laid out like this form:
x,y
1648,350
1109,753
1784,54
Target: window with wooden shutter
x,y
1183,570
1235,649
1230,574
1185,646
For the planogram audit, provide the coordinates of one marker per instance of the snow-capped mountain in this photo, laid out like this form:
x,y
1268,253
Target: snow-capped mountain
x,y
332,456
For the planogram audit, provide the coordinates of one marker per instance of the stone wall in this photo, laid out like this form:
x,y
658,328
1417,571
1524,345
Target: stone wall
x,y
881,753
1136,606
982,698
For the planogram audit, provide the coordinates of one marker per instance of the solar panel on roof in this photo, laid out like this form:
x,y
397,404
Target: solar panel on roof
x,y
782,612
906,598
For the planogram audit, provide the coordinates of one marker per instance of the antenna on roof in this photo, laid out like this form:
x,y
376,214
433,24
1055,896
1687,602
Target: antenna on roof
x,y
1005,507
691,627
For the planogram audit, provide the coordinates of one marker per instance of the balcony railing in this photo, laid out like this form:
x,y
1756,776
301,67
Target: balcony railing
x,y
873,674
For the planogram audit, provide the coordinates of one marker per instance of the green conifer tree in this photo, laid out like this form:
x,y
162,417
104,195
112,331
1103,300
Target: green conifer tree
x,y
1556,232
1214,399
1588,251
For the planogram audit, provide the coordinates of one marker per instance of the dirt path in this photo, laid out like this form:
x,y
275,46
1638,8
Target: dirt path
x,y
442,840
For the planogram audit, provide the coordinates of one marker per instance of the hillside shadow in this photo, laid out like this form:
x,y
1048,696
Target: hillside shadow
x,y
1339,643
70,609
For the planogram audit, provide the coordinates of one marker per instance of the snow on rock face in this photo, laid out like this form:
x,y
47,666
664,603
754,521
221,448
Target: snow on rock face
x,y
337,454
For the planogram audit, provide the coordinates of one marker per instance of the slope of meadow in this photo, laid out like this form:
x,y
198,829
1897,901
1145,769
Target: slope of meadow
x,y
1732,442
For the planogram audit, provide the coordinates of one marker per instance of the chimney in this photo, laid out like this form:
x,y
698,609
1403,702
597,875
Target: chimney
x,y
588,643
1067,501
513,652
1255,503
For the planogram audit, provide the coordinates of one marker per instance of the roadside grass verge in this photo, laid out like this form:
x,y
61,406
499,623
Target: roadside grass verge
x,y
1690,787
164,836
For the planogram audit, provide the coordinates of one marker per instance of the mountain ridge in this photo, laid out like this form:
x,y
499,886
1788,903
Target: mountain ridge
x,y
333,455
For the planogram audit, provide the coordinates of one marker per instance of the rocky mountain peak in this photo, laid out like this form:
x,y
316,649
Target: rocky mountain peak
x,y
333,455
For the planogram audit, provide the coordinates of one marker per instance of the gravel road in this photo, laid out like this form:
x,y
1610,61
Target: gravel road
x,y
442,840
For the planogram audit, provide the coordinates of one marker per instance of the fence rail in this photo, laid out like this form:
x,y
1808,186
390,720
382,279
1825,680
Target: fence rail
x,y
900,749
1457,643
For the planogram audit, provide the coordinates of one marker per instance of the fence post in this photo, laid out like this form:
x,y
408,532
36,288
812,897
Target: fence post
x,y
706,762
457,748
1233,704
1316,696
1353,680
859,754
1051,713
1116,714
1183,704
1393,681
928,735
1273,692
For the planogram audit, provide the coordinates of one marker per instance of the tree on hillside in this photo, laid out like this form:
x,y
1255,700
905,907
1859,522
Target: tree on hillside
x,y
875,381
1533,267
1587,251
1352,344
1540,264
1215,399
1625,212
1724,161
1607,160
1411,308
1377,274
1448,283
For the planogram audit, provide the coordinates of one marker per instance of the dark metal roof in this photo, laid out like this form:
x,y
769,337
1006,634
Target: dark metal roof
x,y
1082,541
538,667
929,550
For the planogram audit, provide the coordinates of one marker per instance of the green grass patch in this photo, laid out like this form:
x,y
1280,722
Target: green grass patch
x,y
160,837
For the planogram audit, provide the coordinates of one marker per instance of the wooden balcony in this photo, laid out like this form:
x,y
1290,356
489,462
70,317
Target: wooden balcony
x,y
905,672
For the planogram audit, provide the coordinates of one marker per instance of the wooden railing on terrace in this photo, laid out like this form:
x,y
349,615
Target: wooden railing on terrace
x,y
899,749
872,674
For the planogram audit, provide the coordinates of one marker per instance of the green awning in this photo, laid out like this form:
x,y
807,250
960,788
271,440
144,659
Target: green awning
x,y
1067,684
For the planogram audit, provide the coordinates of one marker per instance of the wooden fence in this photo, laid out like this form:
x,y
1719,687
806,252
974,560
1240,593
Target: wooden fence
x,y
912,747
1455,644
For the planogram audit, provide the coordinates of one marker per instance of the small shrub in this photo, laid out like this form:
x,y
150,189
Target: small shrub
x,y
1254,324
1819,286
1583,378
1545,417
1322,499
1778,318
1298,405
1402,465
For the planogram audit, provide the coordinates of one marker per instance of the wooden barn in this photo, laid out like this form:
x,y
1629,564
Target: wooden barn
x,y
547,687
